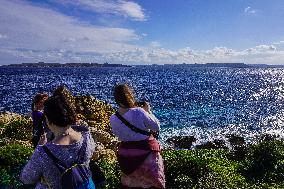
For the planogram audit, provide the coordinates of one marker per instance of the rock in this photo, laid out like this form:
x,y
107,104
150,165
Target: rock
x,y
101,136
239,147
215,144
236,140
267,137
181,141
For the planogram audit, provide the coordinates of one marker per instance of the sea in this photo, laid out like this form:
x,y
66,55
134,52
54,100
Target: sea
x,y
208,103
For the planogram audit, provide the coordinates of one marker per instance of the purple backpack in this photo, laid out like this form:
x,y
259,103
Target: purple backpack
x,y
75,176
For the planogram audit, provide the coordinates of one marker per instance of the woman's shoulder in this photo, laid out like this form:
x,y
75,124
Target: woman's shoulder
x,y
138,110
39,153
130,111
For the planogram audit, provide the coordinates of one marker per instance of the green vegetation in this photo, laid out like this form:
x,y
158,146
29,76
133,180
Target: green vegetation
x,y
265,162
112,173
201,169
12,159
262,166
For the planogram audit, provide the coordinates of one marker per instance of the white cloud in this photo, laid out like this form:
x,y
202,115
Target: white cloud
x,y
267,54
247,9
133,10
278,43
250,11
40,29
40,34
116,7
220,52
266,47
261,49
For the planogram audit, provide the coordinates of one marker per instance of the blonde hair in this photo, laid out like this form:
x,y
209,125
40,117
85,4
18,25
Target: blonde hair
x,y
124,95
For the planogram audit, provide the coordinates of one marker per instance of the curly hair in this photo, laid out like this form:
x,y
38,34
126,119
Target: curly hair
x,y
124,95
59,111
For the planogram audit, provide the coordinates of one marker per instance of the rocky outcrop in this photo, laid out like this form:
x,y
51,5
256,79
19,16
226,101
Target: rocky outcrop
x,y
94,112
239,148
215,144
181,141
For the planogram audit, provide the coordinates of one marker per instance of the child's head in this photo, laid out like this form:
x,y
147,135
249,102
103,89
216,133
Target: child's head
x,y
38,101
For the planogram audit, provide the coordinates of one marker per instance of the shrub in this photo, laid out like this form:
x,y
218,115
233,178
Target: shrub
x,y
112,173
12,159
14,154
18,129
201,169
265,162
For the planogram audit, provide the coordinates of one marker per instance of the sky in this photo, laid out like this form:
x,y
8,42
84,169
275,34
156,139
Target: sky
x,y
142,31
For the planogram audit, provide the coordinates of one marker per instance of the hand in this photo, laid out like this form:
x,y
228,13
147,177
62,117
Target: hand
x,y
147,107
43,139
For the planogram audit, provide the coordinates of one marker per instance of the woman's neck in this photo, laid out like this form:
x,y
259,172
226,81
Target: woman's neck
x,y
62,131
123,110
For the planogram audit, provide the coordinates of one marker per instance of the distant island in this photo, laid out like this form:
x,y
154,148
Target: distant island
x,y
65,65
225,65
106,64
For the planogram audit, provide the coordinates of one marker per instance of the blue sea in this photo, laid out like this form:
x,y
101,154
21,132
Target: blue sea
x,y
208,103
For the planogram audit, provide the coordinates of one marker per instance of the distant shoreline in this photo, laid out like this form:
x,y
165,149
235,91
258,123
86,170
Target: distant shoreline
x,y
60,65
95,65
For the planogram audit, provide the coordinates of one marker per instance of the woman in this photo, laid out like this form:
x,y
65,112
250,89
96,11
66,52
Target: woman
x,y
139,152
39,125
65,146
97,173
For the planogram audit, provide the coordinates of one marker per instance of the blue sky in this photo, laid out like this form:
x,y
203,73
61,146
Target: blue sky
x,y
142,31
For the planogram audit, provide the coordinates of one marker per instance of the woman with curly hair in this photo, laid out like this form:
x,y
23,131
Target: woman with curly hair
x,y
70,146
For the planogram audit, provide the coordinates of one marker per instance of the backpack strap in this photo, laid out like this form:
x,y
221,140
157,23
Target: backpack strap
x,y
80,155
82,151
130,126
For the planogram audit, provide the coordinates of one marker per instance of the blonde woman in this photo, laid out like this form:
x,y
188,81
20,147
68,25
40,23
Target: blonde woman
x,y
139,152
